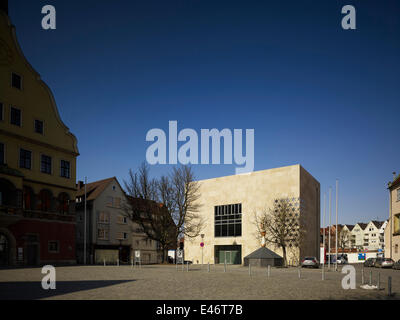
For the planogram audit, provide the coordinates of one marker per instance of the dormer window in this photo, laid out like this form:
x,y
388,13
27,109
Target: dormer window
x,y
15,116
16,81
39,126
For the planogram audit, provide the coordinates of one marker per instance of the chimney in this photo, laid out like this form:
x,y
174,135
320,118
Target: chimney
x,y
394,175
80,185
4,6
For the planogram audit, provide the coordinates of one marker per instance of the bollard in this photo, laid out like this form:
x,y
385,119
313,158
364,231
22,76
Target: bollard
x,y
225,265
249,269
323,272
269,271
187,266
378,283
208,267
131,263
390,286
299,272
370,278
362,275
104,260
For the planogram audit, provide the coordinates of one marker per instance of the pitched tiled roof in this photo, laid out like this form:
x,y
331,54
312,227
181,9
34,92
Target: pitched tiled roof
x,y
94,189
350,226
395,182
378,224
362,225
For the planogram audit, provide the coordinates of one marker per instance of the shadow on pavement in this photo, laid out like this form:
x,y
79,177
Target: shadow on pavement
x,y
33,290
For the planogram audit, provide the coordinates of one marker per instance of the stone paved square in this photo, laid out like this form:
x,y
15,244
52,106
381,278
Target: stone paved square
x,y
165,282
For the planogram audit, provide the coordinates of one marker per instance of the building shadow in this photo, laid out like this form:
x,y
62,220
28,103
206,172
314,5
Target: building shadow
x,y
19,290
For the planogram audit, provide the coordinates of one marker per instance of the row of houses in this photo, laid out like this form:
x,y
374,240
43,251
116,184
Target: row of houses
x,y
359,237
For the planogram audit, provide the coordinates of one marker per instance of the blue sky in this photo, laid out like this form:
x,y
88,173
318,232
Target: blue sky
x,y
315,94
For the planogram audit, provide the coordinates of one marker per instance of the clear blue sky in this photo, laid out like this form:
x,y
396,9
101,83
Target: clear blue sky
x,y
314,93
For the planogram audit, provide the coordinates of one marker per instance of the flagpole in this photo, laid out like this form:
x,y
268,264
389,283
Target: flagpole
x,y
84,232
329,230
337,197
324,227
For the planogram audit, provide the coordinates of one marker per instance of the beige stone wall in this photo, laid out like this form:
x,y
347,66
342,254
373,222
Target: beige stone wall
x,y
255,191
392,243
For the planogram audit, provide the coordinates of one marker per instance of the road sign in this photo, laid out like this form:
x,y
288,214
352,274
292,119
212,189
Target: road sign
x,y
202,244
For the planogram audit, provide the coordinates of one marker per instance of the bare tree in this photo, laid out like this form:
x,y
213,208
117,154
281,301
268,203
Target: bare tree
x,y
280,225
164,208
145,209
343,239
186,215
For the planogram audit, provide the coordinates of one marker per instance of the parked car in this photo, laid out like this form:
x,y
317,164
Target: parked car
x,y
370,262
397,265
341,260
384,263
310,262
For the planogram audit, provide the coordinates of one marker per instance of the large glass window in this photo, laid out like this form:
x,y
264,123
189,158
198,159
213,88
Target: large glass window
x,y
228,220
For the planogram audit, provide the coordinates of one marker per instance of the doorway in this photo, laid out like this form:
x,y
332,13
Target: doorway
x,y
4,250
230,254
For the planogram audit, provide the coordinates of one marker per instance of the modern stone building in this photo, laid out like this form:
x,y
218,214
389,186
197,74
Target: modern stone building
x,y
237,198
37,164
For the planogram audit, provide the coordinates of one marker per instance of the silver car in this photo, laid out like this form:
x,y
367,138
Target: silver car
x,y
384,263
311,262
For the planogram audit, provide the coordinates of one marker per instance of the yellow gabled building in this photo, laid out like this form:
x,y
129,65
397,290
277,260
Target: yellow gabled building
x,y
37,164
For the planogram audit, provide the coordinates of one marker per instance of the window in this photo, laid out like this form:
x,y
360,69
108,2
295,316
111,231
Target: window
x,y
45,164
398,194
53,246
117,202
228,220
63,201
15,116
104,217
122,236
28,198
25,159
396,248
65,171
44,203
39,126
102,234
109,201
16,81
2,156
122,220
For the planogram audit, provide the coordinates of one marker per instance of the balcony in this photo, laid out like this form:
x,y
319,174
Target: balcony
x,y
48,215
